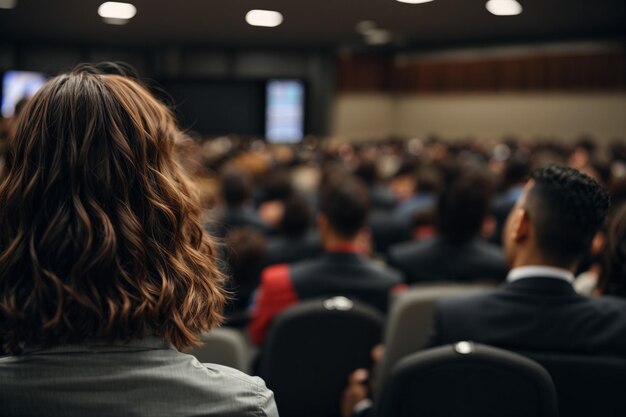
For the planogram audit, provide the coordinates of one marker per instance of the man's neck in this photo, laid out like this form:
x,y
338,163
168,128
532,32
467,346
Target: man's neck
x,y
541,261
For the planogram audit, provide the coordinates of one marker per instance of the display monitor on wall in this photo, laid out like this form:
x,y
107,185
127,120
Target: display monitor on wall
x,y
284,111
17,85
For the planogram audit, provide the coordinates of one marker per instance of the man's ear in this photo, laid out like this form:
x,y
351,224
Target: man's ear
x,y
521,225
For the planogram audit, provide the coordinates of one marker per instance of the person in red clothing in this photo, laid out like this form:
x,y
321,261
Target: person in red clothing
x,y
343,269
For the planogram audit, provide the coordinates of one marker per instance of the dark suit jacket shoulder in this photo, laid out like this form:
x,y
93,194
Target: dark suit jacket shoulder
x,y
348,274
289,249
435,259
540,314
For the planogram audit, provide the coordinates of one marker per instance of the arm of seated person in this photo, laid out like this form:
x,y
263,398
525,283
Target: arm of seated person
x,y
275,294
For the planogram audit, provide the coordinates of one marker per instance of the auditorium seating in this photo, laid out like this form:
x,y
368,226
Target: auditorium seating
x,y
311,349
409,324
586,386
224,346
468,380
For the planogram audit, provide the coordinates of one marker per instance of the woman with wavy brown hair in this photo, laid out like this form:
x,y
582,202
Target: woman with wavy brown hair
x,y
105,270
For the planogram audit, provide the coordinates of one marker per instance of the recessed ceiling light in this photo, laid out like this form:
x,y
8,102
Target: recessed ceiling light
x,y
8,4
264,18
415,1
504,7
116,13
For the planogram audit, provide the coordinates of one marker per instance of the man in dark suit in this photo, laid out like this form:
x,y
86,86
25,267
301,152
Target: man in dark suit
x,y
342,270
547,233
456,253
545,236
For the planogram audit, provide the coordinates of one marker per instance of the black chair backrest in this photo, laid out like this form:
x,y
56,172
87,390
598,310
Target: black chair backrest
x,y
586,386
468,380
312,348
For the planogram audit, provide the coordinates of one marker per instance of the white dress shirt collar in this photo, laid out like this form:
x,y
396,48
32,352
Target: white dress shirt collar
x,y
534,271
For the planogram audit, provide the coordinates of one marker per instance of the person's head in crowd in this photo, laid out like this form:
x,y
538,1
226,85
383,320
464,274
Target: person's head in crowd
x,y
599,170
367,171
100,238
430,179
463,205
297,217
247,250
583,153
613,275
516,170
277,186
276,189
555,219
236,187
344,208
617,190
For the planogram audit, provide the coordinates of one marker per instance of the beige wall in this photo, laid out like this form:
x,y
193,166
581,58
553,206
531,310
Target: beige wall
x,y
491,116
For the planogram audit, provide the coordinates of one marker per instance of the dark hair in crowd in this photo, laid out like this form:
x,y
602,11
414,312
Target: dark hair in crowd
x,y
566,208
463,205
297,216
236,187
100,234
613,276
345,201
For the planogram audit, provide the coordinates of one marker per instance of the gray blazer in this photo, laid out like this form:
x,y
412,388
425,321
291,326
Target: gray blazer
x,y
146,377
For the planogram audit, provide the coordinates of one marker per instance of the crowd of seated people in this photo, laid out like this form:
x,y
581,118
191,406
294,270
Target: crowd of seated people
x,y
293,222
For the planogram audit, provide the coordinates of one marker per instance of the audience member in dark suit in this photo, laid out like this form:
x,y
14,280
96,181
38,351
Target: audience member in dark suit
x,y
342,270
295,240
236,191
547,233
456,253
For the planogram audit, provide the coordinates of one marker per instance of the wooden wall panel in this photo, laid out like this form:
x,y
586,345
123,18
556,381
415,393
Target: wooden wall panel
x,y
599,71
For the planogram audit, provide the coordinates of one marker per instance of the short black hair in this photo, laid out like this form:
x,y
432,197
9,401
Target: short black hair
x,y
236,187
367,171
567,208
296,217
463,205
345,202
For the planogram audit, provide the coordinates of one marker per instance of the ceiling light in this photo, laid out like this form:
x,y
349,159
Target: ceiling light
x,y
8,4
414,1
264,18
504,7
116,13
377,37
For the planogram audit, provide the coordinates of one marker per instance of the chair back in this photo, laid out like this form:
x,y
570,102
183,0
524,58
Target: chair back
x,y
312,348
586,386
468,380
410,321
224,346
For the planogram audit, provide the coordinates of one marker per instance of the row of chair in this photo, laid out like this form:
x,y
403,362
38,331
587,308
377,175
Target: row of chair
x,y
312,347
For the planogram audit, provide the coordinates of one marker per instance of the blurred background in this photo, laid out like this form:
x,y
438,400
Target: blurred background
x,y
345,69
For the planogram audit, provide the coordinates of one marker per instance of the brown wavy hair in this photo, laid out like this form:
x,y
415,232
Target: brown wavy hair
x,y
100,237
